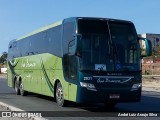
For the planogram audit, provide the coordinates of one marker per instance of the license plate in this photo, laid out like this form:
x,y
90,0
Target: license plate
x,y
114,96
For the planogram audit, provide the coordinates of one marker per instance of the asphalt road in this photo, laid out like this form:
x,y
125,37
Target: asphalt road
x,y
150,102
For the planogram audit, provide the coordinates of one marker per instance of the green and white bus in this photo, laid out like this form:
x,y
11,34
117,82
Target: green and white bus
x,y
79,59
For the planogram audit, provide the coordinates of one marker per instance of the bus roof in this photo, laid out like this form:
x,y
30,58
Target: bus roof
x,y
40,30
66,20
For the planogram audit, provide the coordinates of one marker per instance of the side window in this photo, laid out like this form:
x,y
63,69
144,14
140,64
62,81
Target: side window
x,y
57,40
69,62
68,31
43,42
70,66
10,54
14,49
54,38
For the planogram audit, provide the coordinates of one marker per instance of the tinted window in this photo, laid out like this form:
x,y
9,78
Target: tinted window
x,y
67,35
48,41
70,62
92,26
70,66
55,41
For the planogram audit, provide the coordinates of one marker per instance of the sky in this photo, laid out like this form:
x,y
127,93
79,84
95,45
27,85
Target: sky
x,y
19,17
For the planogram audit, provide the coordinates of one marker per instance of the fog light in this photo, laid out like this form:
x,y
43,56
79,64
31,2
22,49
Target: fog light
x,y
136,86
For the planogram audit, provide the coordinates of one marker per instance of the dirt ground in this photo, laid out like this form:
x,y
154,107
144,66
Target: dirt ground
x,y
151,82
151,69
3,75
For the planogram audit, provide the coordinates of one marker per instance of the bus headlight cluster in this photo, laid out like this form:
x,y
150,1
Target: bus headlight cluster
x,y
89,86
136,86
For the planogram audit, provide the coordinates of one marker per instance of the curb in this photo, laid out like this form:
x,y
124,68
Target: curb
x,y
12,108
9,107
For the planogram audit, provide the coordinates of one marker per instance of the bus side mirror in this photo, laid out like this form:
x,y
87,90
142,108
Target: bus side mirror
x,y
74,46
146,47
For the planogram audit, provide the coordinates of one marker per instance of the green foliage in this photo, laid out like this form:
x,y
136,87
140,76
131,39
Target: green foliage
x,y
3,58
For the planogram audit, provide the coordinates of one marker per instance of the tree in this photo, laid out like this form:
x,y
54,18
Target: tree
x,y
3,58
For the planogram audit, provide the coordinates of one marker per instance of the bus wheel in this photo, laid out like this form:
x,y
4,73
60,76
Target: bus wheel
x,y
59,95
22,91
16,87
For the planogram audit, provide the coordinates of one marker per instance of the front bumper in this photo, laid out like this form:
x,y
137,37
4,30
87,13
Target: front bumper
x,y
103,95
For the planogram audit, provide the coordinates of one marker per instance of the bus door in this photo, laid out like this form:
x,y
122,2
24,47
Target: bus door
x,y
69,61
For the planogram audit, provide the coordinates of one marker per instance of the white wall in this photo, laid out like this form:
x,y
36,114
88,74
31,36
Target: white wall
x,y
3,70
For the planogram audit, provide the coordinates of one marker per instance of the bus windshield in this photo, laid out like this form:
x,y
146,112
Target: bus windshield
x,y
109,44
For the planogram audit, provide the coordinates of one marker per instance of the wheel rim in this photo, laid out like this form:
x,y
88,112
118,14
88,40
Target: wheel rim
x,y
59,95
16,89
21,88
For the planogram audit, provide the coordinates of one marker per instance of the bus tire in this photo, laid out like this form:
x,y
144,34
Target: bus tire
x,y
16,87
59,95
22,91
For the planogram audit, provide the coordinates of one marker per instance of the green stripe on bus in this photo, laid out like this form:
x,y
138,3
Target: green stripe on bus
x,y
47,78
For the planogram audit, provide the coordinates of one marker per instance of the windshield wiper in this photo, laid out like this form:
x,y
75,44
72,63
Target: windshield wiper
x,y
113,49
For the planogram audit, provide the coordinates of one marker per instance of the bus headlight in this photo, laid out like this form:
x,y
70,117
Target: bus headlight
x,y
136,86
89,86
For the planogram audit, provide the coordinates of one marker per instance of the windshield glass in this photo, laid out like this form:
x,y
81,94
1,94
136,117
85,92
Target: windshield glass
x,y
125,46
108,47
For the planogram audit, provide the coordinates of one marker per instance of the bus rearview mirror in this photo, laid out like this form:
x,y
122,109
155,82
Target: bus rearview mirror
x,y
146,47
